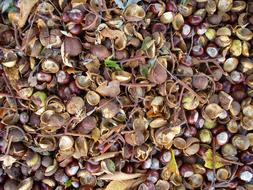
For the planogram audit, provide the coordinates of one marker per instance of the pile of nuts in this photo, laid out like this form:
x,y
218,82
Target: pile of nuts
x,y
126,94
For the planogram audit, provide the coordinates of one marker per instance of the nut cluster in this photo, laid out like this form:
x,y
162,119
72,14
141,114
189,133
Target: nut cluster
x,y
142,95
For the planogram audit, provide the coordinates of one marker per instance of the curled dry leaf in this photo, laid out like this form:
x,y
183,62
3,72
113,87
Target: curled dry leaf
x,y
72,46
213,110
157,74
208,158
111,89
120,185
134,13
25,7
120,176
26,184
7,160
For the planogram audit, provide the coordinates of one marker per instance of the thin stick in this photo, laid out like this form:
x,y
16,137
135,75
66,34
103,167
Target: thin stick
x,y
183,84
214,164
133,59
12,96
137,85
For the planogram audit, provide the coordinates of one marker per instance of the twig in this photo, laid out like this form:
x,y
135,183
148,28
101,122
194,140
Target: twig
x,y
12,96
214,164
133,59
138,84
16,35
183,84
61,134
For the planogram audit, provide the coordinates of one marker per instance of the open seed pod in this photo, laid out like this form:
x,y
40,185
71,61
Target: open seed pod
x,y
52,121
55,103
33,160
75,105
92,98
190,101
91,62
247,123
16,133
109,109
121,76
140,123
83,82
236,48
230,64
213,111
26,184
157,73
81,148
50,66
247,64
244,34
179,143
134,13
157,123
164,136
10,58
143,152
178,21
66,143
192,146
51,169
86,178
47,143
38,101
110,89
225,5
91,22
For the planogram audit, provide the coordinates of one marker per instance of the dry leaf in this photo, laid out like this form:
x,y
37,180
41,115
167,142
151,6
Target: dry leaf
x,y
7,161
172,164
13,76
95,134
25,9
104,156
75,3
208,158
110,89
120,185
120,176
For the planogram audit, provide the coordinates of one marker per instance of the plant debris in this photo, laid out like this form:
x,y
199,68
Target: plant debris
x,y
126,94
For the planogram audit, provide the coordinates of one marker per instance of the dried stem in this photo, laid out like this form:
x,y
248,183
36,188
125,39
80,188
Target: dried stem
x,y
133,59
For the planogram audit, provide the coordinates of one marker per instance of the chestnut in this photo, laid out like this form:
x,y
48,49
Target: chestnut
x,y
147,186
75,29
44,77
72,169
155,164
159,27
190,131
76,15
165,157
246,157
222,138
194,20
192,117
93,167
74,88
197,50
152,176
245,173
86,188
200,82
147,163
186,170
62,77
23,117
